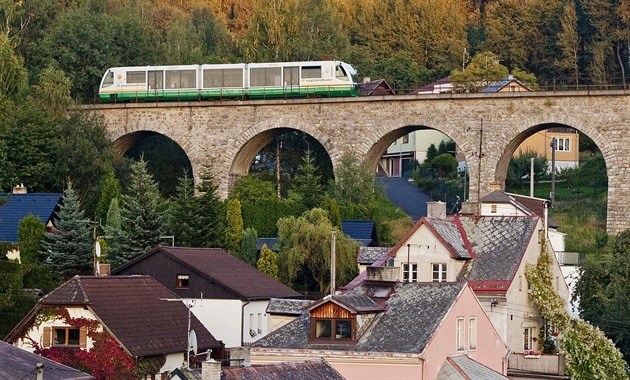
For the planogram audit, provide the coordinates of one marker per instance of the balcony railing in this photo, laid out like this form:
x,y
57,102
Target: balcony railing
x,y
549,364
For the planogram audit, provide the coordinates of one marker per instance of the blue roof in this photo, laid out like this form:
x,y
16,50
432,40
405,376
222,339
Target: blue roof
x,y
271,243
362,231
19,206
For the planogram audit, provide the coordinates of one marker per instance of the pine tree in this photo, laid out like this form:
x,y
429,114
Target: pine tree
x,y
308,184
268,262
113,231
234,226
212,212
185,221
110,189
248,251
68,248
142,218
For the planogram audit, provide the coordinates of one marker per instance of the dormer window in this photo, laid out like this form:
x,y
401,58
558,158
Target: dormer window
x,y
183,281
332,329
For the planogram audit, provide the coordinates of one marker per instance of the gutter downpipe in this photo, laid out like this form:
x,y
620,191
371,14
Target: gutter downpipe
x,y
243,323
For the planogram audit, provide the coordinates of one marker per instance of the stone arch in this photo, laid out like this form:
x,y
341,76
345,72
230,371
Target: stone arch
x,y
253,140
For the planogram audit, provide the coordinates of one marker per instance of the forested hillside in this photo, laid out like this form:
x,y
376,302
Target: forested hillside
x,y
408,42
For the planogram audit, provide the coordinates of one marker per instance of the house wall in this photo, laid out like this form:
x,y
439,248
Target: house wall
x,y
255,320
351,365
502,209
221,317
165,270
276,321
557,240
540,143
425,249
490,351
36,332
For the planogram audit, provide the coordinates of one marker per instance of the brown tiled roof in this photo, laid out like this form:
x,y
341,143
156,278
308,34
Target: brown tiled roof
x,y
317,369
143,315
229,271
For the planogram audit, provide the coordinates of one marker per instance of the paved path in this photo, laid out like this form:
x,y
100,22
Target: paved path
x,y
405,195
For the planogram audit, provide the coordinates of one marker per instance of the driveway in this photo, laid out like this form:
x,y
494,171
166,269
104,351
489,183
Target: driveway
x,y
405,195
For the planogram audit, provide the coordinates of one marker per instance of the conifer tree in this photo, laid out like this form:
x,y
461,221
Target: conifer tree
x,y
308,184
234,226
68,248
31,232
142,219
110,189
113,231
212,213
185,221
268,262
248,251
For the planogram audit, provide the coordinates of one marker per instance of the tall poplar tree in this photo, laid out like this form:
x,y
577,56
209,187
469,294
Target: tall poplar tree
x,y
142,217
234,226
68,248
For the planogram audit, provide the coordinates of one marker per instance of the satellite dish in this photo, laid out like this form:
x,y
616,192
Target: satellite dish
x,y
192,341
97,249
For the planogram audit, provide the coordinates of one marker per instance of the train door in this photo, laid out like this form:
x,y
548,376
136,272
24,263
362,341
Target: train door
x,y
291,79
155,83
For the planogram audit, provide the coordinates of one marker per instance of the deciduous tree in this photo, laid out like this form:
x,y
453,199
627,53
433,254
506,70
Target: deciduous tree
x,y
234,226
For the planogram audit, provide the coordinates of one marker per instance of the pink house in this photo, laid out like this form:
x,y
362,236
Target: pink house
x,y
385,329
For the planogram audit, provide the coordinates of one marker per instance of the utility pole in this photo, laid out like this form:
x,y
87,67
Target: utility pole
x,y
278,146
552,194
333,260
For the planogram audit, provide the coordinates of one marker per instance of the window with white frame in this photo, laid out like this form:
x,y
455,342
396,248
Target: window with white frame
x,y
459,337
472,333
528,339
563,144
439,272
410,271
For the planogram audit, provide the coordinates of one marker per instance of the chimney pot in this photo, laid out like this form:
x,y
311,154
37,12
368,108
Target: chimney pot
x,y
19,189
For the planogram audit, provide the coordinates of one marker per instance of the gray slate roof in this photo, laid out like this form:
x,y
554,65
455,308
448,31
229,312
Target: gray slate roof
x,y
16,363
461,367
317,369
287,306
413,313
368,255
448,230
499,243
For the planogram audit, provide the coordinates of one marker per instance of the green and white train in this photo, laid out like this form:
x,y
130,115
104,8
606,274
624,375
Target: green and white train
x,y
242,80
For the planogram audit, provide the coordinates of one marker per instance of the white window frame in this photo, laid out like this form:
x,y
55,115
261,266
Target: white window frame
x,y
528,339
563,144
406,272
439,274
459,334
472,333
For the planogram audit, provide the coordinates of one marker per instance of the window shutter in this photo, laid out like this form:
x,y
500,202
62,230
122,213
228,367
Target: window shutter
x,y
47,335
83,337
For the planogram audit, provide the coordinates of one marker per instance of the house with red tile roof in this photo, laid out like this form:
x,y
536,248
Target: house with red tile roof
x,y
387,329
229,296
140,314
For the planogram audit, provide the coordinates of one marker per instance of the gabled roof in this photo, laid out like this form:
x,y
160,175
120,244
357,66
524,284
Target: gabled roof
x,y
368,255
16,363
440,86
219,266
461,367
497,86
317,369
412,315
18,206
355,303
500,243
535,205
362,231
376,87
140,313
287,306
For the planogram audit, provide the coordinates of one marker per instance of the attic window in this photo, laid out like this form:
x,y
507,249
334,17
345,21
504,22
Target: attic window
x,y
493,209
182,281
324,328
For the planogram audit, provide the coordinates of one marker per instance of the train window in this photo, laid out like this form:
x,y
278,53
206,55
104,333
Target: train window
x,y
136,77
188,79
341,73
291,76
265,76
311,72
222,78
233,78
109,79
173,79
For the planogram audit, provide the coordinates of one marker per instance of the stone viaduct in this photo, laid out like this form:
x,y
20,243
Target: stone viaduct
x,y
226,135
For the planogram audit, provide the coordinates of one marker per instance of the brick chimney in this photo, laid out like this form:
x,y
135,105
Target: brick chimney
x,y
211,370
436,209
19,189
